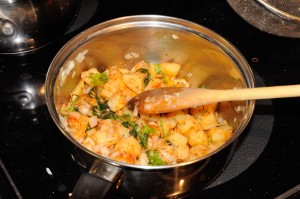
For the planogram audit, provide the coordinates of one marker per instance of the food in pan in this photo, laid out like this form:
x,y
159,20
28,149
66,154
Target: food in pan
x,y
98,118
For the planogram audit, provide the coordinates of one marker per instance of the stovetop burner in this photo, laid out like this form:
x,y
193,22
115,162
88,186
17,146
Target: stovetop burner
x,y
257,134
265,164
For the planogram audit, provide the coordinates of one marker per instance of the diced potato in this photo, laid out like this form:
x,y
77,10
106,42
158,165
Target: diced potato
x,y
114,84
85,76
155,70
89,100
154,83
141,64
212,107
208,121
166,124
199,151
200,110
177,139
124,71
128,94
129,145
89,144
185,122
170,69
220,133
143,160
90,131
124,157
116,102
182,152
180,83
134,81
102,138
76,93
155,142
198,138
93,121
168,154
78,89
77,124
107,133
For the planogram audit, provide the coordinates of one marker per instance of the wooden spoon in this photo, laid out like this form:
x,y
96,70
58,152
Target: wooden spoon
x,y
169,99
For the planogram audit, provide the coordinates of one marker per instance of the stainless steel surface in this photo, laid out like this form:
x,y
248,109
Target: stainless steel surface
x,y
28,25
280,18
288,9
106,171
209,57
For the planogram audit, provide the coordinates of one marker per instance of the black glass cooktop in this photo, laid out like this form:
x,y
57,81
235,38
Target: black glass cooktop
x,y
266,161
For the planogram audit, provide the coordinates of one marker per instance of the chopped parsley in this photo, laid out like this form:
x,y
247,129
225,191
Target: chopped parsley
x,y
162,127
143,135
210,140
154,158
98,78
201,86
72,107
126,122
148,76
165,80
102,110
158,70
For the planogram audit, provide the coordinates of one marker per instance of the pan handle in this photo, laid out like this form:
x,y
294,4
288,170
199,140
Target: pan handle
x,y
101,182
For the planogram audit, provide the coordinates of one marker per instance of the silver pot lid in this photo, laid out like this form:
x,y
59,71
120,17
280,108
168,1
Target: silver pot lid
x,y
277,17
28,25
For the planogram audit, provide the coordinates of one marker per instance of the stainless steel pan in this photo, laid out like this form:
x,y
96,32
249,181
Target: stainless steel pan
x,y
208,56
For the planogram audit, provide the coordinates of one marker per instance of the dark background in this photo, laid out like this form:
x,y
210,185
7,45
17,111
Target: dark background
x,y
30,142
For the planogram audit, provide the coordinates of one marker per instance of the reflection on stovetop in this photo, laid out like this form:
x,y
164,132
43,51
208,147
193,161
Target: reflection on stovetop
x,y
265,164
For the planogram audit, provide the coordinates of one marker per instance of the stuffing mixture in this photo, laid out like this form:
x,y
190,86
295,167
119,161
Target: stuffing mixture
x,y
98,118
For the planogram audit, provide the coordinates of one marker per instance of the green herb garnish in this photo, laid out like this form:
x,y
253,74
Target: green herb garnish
x,y
162,127
126,121
98,78
154,158
201,86
143,135
157,69
102,110
72,106
165,80
148,76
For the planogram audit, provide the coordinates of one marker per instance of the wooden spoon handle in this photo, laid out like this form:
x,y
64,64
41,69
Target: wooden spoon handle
x,y
252,93
172,99
192,97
